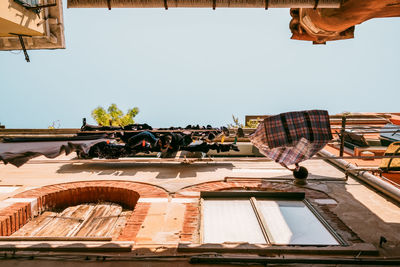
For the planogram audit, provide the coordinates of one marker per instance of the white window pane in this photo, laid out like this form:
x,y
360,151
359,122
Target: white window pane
x,y
230,221
292,223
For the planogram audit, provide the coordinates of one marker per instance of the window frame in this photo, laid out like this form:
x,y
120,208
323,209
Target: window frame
x,y
27,3
252,196
85,221
30,5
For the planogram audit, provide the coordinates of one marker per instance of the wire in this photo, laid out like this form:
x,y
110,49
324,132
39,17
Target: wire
x,y
15,53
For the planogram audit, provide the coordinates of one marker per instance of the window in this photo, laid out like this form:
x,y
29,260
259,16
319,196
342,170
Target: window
x,y
81,221
27,3
263,217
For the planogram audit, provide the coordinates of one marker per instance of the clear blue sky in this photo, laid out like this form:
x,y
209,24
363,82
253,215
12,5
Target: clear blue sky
x,y
197,66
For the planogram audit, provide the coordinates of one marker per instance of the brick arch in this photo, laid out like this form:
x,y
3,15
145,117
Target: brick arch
x,y
190,191
194,190
63,195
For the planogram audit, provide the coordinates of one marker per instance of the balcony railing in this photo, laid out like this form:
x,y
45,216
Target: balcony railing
x,y
27,3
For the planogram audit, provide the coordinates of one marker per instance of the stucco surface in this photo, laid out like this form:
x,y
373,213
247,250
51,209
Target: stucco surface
x,y
369,214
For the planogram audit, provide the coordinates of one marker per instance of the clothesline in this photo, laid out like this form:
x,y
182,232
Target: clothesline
x,y
208,159
153,131
213,130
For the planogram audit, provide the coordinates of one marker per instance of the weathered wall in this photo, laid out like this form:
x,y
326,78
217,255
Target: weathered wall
x,y
321,25
15,18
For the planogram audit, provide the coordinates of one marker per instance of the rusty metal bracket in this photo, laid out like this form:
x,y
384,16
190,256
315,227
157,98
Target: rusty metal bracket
x,y
21,41
316,4
342,130
38,7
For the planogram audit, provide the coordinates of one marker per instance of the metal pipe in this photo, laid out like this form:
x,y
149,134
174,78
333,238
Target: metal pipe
x,y
382,186
356,157
21,41
370,132
343,129
366,127
206,3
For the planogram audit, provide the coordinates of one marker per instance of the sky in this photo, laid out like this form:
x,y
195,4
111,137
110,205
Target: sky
x,y
197,66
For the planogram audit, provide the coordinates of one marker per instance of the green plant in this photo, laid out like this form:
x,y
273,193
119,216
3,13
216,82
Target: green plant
x,y
114,116
253,123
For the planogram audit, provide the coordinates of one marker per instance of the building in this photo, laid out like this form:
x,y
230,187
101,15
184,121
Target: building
x,y
173,212
31,24
312,20
38,24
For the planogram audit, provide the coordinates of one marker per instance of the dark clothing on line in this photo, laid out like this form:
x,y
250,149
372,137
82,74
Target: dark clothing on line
x,y
19,153
137,140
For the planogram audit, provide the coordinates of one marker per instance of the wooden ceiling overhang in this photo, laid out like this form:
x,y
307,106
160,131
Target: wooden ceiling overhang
x,y
204,4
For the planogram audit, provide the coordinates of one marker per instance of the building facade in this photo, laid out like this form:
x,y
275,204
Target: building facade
x,y
174,213
40,24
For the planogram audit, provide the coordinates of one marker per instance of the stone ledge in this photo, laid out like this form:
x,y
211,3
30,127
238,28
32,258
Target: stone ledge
x,y
356,249
87,246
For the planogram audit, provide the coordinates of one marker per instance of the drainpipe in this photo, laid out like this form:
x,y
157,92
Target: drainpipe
x,y
377,183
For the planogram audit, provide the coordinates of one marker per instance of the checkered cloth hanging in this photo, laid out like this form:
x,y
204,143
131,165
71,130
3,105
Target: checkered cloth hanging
x,y
292,137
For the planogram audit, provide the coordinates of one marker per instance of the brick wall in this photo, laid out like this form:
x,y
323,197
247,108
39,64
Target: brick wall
x,y
127,194
134,222
191,223
14,217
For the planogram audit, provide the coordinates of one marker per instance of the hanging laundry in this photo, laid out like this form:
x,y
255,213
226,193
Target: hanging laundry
x,y
292,137
18,153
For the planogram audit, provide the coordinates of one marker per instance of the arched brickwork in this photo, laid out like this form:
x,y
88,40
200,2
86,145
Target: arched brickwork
x,y
128,193
190,191
216,186
69,194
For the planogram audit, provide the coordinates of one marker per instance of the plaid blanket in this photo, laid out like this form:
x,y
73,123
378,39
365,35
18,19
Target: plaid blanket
x,y
292,137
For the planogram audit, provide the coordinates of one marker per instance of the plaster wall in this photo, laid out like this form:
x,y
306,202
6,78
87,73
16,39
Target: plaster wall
x,y
14,18
172,217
